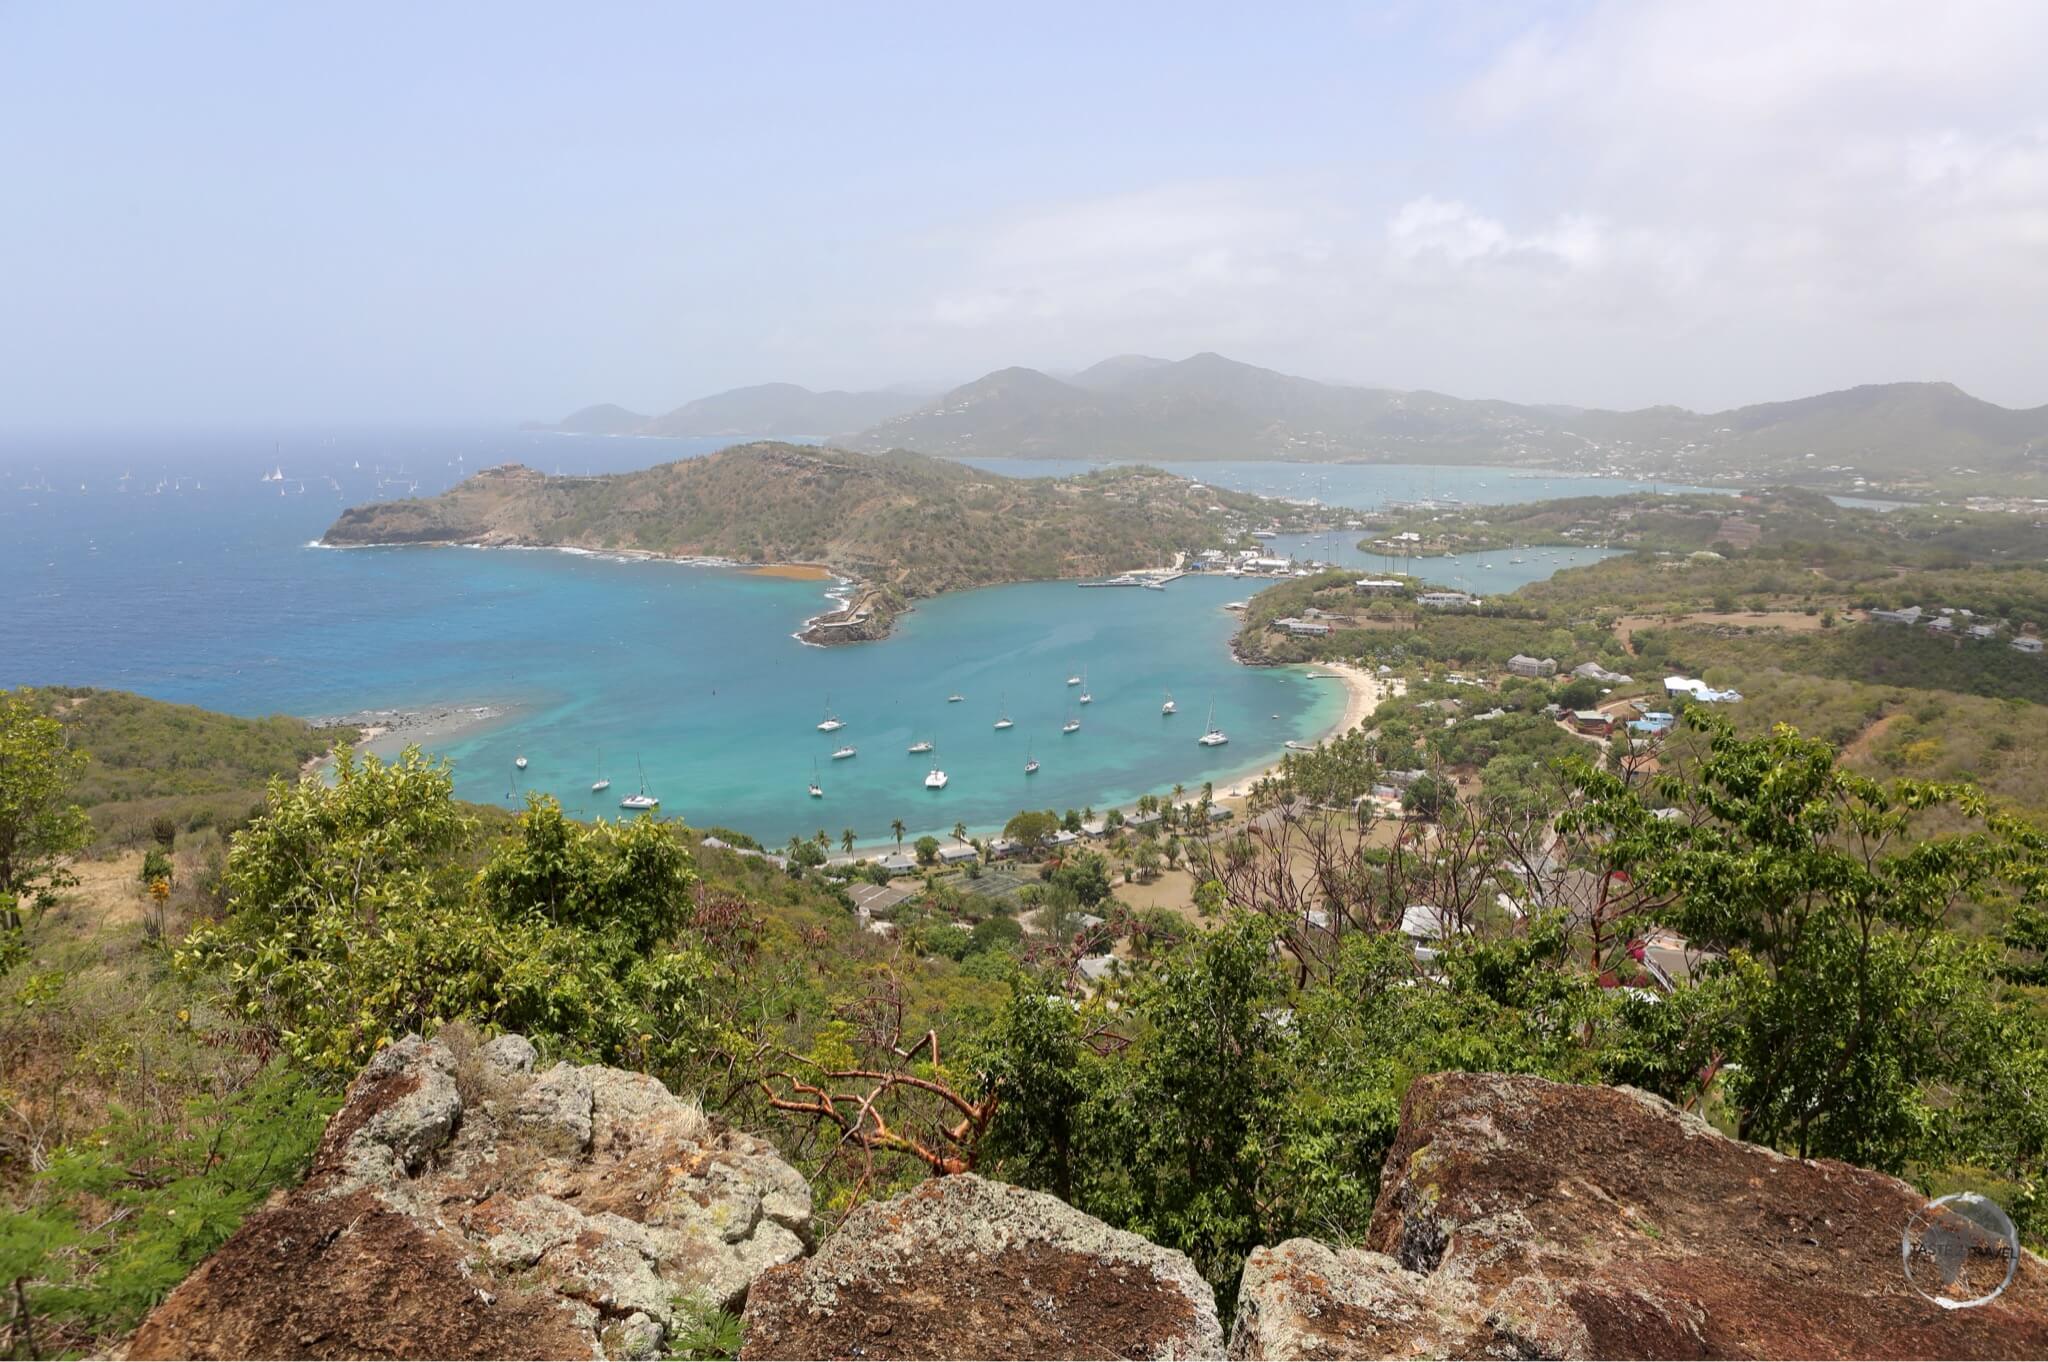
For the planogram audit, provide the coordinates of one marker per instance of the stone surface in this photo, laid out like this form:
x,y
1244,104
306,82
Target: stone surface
x,y
459,1206
1520,1218
962,1267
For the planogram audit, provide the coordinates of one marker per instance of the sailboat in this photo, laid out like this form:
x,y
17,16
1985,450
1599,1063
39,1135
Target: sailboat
x,y
1085,697
841,754
520,762
1169,707
832,723
1074,680
1004,720
1214,737
1030,762
1072,725
935,779
642,801
600,785
923,745
817,790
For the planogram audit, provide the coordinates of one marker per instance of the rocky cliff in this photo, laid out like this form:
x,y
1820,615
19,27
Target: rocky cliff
x,y
462,1206
1519,1218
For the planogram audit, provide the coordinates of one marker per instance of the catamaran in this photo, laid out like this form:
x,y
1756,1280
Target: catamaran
x,y
935,779
643,800
1004,720
832,723
847,751
922,745
1215,737
1169,707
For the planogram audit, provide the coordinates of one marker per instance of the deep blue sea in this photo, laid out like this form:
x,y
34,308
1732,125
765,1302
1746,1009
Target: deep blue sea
x,y
198,583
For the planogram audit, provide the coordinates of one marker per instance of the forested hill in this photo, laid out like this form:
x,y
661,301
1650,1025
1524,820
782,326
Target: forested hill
x,y
910,523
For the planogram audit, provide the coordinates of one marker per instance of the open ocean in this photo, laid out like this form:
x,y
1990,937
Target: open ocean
x,y
208,592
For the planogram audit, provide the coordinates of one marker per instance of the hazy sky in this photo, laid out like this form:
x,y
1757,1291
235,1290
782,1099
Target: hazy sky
x,y
448,212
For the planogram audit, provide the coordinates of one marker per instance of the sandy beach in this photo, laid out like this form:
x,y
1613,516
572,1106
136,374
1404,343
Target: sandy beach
x,y
1362,694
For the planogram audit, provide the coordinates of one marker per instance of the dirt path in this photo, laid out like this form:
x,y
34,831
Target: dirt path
x,y
1790,621
1863,744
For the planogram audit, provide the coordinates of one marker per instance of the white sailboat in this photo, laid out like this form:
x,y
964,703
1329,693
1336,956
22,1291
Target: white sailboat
x,y
1074,680
1004,720
935,779
1072,725
600,785
832,722
817,790
520,762
643,801
847,751
1085,697
1030,762
1169,707
922,745
1214,737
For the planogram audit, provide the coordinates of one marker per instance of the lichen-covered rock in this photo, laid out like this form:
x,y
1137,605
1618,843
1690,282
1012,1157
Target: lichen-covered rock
x,y
570,1214
962,1267
1520,1218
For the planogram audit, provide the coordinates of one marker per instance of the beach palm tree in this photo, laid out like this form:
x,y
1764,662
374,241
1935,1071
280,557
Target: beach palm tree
x,y
896,826
1179,791
846,840
795,842
960,832
822,838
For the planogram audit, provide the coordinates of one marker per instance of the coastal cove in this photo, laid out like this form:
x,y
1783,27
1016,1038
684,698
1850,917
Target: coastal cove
x,y
597,666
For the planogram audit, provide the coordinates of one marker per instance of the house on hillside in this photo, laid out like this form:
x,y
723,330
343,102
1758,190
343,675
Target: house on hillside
x,y
1593,722
1445,600
1377,586
1906,615
1302,627
1521,664
1593,671
2026,643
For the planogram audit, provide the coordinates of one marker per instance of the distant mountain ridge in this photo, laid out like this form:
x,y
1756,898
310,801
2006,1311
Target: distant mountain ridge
x,y
1211,407
770,410
1207,406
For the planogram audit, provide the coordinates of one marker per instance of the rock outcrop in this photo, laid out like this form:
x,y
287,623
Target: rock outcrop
x,y
461,1206
1520,1218
962,1267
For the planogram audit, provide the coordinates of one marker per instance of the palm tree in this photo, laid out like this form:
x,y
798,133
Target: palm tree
x,y
846,841
822,838
1179,791
960,832
896,826
1208,791
795,843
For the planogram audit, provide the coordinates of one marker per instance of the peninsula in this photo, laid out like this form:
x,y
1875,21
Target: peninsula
x,y
900,526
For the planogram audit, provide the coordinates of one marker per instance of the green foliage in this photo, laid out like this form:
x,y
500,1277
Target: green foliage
x,y
178,1191
351,921
705,1333
39,823
927,848
1031,829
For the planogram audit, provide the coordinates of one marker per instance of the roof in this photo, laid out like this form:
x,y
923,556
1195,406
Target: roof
x,y
1423,921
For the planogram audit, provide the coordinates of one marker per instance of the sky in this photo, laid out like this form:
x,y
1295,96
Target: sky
x,y
243,213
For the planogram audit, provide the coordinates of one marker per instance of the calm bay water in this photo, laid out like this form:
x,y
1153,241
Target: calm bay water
x,y
208,593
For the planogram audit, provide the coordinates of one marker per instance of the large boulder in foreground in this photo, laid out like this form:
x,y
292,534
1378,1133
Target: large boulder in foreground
x,y
1520,1218
962,1267
462,1206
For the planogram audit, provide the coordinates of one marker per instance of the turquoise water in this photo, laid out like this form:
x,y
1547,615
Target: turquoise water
x,y
209,594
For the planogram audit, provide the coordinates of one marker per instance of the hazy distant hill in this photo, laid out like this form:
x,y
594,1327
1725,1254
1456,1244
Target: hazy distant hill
x,y
605,418
905,522
1208,406
779,409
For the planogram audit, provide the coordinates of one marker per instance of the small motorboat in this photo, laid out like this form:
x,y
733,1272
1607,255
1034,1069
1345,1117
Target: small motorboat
x,y
520,762
955,698
921,745
847,751
1071,726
